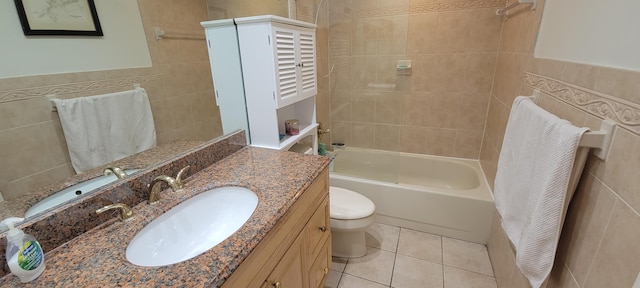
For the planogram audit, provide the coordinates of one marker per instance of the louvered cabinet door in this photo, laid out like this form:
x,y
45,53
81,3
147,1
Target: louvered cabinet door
x,y
286,66
295,64
307,70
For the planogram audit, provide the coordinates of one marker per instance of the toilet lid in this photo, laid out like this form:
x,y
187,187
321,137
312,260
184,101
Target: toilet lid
x,y
347,205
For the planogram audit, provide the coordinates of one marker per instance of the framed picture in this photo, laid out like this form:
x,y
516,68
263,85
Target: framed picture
x,y
58,17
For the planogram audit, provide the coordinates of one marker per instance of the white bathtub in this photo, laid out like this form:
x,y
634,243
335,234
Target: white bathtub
x,y
439,195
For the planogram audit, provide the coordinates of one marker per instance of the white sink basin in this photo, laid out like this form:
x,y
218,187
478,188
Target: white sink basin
x,y
192,227
73,192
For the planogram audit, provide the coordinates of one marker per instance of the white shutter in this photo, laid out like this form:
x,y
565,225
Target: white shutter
x,y
285,49
308,69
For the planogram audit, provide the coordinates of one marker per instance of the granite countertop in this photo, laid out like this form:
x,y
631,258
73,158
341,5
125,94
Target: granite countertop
x,y
144,159
97,258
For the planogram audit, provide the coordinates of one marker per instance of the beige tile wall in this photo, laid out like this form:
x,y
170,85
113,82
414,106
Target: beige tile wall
x,y
32,146
441,107
306,10
598,242
224,9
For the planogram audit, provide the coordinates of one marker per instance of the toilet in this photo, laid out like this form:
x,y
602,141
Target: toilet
x,y
350,215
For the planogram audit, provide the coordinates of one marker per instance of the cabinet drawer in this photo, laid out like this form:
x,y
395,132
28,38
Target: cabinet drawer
x,y
289,272
318,229
320,267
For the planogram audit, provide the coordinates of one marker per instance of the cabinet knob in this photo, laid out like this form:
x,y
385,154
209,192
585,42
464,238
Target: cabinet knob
x,y
325,270
277,285
323,228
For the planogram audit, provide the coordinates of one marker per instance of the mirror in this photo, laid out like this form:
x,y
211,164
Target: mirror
x,y
32,146
52,195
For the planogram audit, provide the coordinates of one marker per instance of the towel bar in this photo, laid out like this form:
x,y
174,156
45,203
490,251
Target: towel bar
x,y
162,34
601,139
52,104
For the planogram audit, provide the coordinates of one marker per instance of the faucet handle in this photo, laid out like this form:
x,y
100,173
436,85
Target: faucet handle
x,y
114,170
125,211
178,181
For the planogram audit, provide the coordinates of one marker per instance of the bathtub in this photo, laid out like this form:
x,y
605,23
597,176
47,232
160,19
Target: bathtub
x,y
438,195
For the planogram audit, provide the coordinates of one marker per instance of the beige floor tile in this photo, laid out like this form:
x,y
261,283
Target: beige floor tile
x,y
332,279
383,237
458,278
420,245
376,266
338,263
466,255
411,272
348,281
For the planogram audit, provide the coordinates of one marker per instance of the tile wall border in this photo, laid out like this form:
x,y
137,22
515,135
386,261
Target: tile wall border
x,y
74,88
452,6
623,112
431,7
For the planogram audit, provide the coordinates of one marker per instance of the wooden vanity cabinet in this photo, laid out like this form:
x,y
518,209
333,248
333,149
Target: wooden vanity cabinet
x,y
297,251
318,245
290,270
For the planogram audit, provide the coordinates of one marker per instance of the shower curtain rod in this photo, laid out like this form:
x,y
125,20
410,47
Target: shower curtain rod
x,y
161,34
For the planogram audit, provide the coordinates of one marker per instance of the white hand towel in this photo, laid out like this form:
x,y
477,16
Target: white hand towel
x,y
104,128
531,184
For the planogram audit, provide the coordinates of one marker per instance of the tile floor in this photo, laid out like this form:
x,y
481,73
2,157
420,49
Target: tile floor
x,y
404,258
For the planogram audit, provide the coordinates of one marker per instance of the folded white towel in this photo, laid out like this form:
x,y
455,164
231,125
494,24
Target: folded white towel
x,y
531,184
104,128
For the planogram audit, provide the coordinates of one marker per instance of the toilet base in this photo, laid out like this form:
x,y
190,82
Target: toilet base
x,y
349,244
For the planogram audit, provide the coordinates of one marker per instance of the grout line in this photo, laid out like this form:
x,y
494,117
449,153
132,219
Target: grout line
x,y
604,234
368,280
395,256
470,271
339,279
393,268
442,253
616,194
573,278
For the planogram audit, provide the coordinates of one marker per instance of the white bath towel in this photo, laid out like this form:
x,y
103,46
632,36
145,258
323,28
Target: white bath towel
x,y
104,128
531,184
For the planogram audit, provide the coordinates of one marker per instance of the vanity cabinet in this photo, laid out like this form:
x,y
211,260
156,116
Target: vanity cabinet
x,y
297,250
290,270
277,80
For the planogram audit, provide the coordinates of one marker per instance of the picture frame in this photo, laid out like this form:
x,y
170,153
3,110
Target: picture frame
x,y
59,17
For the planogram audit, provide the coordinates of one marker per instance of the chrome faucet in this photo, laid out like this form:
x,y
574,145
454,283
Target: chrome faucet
x,y
114,170
125,211
175,184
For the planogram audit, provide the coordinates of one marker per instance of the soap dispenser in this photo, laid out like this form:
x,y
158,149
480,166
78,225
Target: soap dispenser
x,y
24,254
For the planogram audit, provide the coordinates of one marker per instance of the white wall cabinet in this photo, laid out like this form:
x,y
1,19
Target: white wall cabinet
x,y
278,76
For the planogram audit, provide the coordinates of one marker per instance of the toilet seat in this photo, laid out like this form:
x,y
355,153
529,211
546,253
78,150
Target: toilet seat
x,y
348,205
